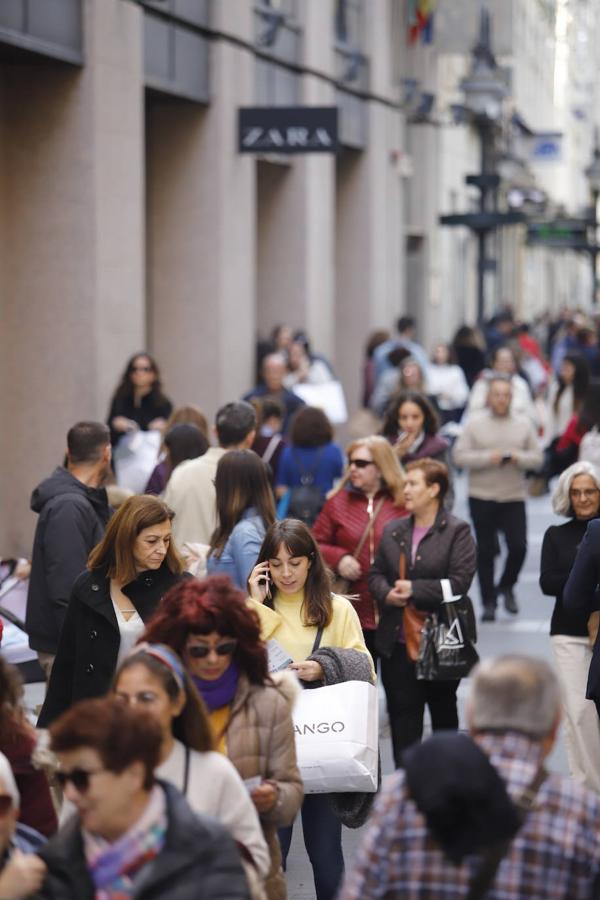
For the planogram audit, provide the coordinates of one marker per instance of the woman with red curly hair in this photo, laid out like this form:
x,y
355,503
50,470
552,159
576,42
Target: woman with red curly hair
x,y
218,637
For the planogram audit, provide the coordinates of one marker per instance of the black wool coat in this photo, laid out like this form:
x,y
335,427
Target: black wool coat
x,y
446,552
580,597
199,859
89,642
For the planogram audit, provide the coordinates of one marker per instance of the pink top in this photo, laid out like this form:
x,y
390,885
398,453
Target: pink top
x,y
418,534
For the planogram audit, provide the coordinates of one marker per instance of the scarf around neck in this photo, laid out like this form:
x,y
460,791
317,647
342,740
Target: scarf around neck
x,y
113,867
221,691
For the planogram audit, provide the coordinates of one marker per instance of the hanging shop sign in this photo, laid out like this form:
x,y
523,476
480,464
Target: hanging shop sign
x,y
288,129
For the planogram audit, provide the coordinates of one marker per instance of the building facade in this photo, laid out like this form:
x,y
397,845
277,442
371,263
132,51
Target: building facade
x,y
129,220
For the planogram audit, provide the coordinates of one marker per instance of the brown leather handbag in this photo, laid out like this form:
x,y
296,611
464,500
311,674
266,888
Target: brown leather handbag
x,y
412,619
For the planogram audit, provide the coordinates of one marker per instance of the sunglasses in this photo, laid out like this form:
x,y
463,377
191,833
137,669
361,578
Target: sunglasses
x,y
79,778
6,804
141,368
200,651
361,463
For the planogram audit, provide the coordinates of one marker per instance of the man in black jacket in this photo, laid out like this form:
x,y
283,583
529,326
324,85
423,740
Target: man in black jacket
x,y
73,512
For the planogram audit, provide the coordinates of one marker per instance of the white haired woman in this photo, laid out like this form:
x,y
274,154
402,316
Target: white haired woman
x,y
577,496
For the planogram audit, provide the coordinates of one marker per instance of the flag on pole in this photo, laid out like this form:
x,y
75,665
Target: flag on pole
x,y
420,20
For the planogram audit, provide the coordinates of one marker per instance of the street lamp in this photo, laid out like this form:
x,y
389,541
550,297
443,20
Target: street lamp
x,y
592,174
484,92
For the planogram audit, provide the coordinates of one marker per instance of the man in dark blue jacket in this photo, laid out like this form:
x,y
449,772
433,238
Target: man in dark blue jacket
x,y
73,512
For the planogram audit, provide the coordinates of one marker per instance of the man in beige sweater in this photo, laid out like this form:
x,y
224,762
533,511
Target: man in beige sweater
x,y
497,448
191,489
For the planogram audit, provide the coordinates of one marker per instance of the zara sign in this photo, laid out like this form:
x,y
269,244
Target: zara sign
x,y
288,129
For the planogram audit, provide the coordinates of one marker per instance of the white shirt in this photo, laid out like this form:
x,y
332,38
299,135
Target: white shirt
x,y
215,789
130,630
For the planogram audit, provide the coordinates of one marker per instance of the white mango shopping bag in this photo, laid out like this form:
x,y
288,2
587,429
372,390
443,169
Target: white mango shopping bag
x,y
337,729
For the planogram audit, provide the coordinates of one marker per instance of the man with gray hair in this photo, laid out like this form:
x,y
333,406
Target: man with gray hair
x,y
497,447
481,813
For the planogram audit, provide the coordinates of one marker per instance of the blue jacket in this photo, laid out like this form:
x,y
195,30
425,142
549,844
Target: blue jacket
x,y
241,550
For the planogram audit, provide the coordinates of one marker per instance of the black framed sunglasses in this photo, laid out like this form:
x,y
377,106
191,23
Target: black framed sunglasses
x,y
6,804
200,651
79,778
361,463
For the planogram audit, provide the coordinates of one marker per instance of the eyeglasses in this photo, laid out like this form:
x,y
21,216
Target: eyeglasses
x,y
361,463
141,368
199,651
144,698
6,804
79,778
585,494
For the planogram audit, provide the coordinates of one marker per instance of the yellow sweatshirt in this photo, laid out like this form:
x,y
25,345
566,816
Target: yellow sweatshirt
x,y
284,623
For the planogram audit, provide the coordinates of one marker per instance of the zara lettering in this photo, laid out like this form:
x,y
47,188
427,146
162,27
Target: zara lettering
x,y
319,728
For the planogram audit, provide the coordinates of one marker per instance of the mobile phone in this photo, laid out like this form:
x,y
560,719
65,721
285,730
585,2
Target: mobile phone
x,y
267,581
506,459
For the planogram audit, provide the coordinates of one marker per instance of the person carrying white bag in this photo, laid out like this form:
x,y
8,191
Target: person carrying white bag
x,y
318,635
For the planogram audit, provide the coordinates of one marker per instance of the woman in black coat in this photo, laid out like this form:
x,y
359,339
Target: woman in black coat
x,y
129,571
577,496
581,595
437,547
138,401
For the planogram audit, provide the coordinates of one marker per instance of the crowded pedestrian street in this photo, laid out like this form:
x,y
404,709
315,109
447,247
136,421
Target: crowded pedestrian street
x,y
527,635
300,457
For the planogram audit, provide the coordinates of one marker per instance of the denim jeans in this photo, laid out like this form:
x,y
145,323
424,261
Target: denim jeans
x,y
323,841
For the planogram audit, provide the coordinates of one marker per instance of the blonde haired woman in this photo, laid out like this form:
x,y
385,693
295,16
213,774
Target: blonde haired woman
x,y
350,525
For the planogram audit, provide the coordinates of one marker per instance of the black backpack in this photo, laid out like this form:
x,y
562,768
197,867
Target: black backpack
x,y
306,499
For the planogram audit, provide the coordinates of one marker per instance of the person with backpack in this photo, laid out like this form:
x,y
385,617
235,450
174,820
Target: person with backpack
x,y
308,466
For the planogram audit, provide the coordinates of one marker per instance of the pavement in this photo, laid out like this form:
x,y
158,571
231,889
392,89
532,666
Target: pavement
x,y
526,632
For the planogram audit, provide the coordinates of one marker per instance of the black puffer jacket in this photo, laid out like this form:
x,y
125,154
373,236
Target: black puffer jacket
x,y
446,552
72,519
199,859
89,643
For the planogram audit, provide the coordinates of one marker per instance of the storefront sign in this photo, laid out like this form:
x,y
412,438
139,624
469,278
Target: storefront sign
x,y
288,129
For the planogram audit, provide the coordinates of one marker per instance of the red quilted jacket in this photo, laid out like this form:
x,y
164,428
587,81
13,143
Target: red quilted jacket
x,y
338,530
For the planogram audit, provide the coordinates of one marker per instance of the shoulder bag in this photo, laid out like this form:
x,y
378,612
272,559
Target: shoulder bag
x,y
413,620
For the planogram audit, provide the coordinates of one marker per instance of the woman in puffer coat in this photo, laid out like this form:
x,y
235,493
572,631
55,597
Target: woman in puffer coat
x,y
350,525
216,634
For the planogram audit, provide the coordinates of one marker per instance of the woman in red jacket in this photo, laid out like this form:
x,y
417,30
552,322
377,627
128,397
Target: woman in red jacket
x,y
349,526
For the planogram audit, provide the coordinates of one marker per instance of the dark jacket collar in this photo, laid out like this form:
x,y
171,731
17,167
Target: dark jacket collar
x,y
403,528
142,592
64,854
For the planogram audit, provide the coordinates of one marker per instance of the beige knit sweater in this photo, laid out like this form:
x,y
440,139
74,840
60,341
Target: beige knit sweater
x,y
483,436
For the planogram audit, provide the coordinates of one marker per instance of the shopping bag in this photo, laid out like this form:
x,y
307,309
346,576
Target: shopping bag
x,y
336,729
447,651
134,458
328,396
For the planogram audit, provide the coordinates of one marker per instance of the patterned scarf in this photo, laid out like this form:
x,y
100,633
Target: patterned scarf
x,y
221,691
113,867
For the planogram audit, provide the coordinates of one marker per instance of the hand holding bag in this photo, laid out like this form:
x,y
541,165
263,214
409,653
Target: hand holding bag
x,y
447,651
343,585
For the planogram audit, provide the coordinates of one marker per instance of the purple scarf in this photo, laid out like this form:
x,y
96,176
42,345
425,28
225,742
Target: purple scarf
x,y
221,691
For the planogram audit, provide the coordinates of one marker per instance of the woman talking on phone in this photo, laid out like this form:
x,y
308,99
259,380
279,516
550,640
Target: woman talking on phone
x,y
321,635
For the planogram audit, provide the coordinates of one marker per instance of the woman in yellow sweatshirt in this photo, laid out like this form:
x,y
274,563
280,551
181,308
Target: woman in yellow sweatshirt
x,y
291,594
